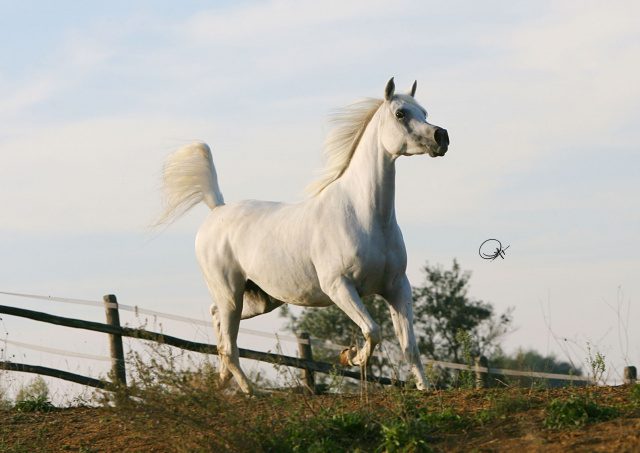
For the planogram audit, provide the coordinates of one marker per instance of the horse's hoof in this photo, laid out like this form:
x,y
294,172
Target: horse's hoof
x,y
347,356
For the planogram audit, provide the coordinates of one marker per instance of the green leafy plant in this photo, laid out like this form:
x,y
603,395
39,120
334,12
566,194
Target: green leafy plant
x,y
445,421
35,388
34,397
400,436
597,364
330,430
576,412
467,377
634,395
503,404
34,404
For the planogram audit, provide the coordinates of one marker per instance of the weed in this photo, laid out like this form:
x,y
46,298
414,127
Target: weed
x,y
503,405
34,397
36,389
576,412
484,416
400,436
506,405
467,377
79,401
407,402
597,365
34,404
330,430
634,395
445,421
432,375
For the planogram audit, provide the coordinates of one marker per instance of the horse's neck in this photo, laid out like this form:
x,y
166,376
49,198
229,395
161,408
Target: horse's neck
x,y
369,181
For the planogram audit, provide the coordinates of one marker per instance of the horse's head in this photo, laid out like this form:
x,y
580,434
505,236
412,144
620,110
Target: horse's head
x,y
404,129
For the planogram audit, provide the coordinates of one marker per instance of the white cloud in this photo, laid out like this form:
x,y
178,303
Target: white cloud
x,y
95,175
280,19
579,37
579,67
25,95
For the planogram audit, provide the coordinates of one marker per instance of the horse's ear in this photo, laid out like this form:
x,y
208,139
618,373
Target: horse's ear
x,y
412,91
390,89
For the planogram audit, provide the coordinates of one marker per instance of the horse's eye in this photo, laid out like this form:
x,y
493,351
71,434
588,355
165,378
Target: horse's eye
x,y
399,114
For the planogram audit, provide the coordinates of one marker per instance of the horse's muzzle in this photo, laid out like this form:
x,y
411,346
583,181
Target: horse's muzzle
x,y
441,137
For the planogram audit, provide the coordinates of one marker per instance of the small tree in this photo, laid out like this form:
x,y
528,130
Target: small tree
x,y
442,308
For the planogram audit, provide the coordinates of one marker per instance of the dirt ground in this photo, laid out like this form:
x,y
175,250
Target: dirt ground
x,y
87,429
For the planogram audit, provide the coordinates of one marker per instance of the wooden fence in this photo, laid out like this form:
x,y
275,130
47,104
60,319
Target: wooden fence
x,y
118,370
305,362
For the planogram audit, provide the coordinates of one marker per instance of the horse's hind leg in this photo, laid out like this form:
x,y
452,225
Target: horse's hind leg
x,y
227,312
255,302
225,374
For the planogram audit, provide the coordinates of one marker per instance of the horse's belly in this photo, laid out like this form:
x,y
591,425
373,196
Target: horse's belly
x,y
289,277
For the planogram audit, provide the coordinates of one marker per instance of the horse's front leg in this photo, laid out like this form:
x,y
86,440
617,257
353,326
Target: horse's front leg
x,y
344,295
401,307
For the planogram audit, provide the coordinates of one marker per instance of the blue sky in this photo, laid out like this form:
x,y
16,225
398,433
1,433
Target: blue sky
x,y
541,101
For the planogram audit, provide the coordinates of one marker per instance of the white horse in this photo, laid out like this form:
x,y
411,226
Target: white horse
x,y
339,245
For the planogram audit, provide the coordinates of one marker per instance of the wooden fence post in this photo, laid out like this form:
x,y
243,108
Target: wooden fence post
x,y
630,375
118,370
305,353
482,377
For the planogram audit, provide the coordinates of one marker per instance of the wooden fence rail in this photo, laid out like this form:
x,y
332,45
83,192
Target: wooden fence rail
x,y
305,362
44,371
117,331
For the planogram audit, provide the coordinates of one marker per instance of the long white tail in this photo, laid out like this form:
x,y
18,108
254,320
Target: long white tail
x,y
189,177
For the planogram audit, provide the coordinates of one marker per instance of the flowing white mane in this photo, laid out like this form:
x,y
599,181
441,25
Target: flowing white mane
x,y
348,125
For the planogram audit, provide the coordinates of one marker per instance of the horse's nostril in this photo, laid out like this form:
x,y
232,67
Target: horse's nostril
x,y
441,136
